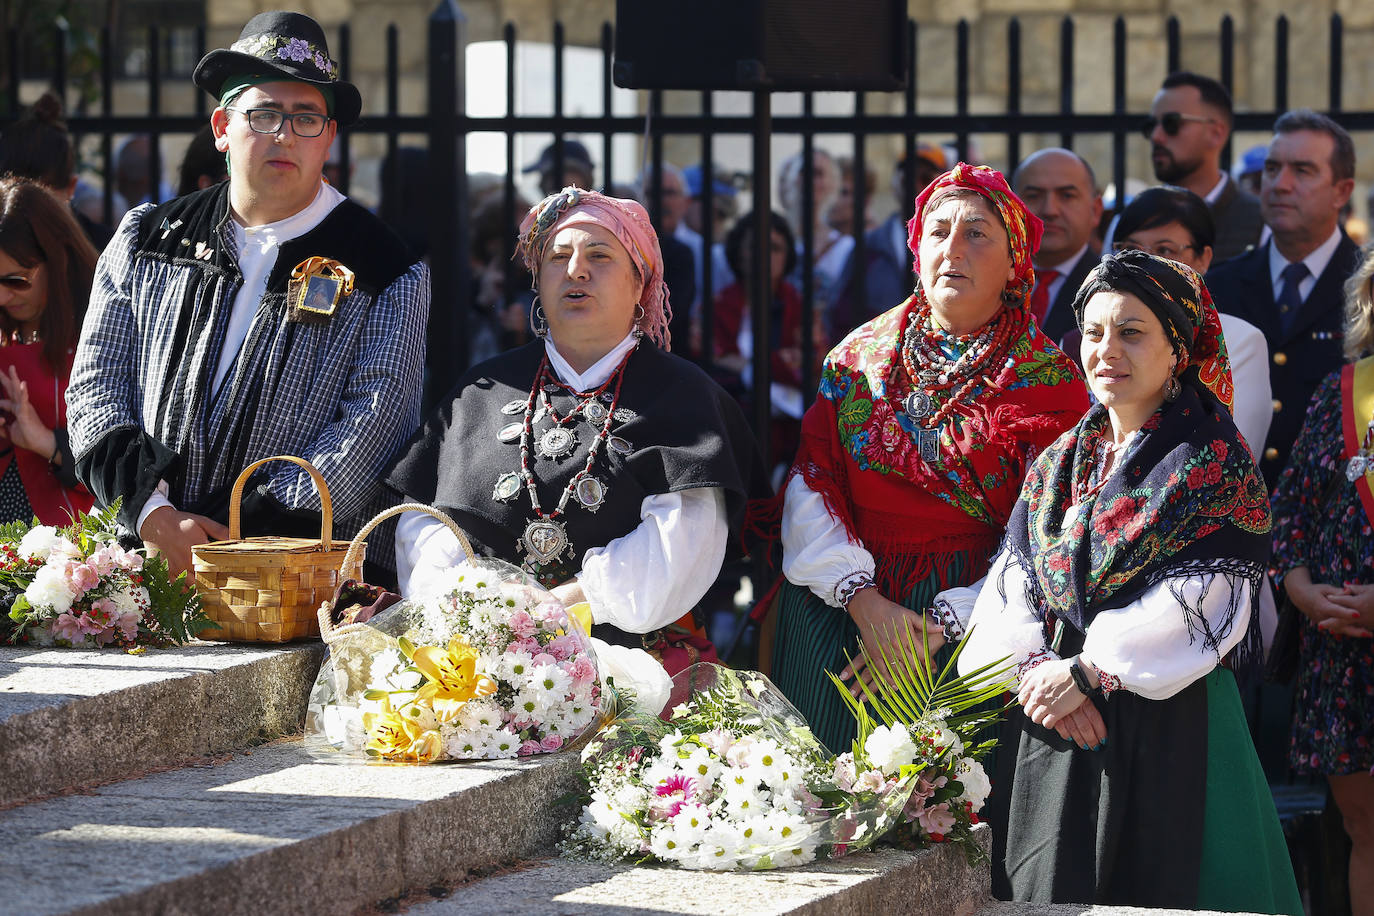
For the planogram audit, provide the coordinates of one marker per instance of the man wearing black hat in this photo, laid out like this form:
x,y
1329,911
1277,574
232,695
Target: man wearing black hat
x,y
577,170
201,351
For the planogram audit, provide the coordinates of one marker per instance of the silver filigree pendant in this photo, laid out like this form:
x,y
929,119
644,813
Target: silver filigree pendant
x,y
624,415
512,408
507,487
591,493
918,405
594,412
928,442
544,540
557,443
1357,467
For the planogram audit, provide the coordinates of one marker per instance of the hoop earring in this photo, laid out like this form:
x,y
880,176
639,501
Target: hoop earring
x,y
640,315
539,324
1172,389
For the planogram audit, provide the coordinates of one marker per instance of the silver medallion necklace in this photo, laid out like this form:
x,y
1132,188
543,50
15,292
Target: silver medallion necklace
x,y
545,538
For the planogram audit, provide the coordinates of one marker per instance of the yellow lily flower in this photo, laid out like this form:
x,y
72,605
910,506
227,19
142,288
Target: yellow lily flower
x,y
396,736
451,678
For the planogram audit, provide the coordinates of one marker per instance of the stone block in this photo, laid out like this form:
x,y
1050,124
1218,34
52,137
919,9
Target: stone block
x,y
936,881
276,831
70,717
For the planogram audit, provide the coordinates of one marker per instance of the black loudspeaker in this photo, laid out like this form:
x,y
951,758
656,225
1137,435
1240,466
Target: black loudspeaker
x,y
785,45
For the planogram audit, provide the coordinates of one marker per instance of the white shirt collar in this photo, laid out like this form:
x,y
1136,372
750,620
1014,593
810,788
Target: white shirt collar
x,y
1316,261
299,223
1066,267
597,373
1211,196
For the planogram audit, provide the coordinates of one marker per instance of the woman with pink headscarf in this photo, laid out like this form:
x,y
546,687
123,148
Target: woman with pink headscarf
x,y
611,470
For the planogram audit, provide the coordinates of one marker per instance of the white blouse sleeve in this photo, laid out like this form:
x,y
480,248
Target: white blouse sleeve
x,y
1002,631
817,551
657,572
1149,644
425,548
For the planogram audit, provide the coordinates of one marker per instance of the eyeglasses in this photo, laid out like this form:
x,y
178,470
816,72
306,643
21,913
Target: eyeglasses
x,y
306,124
1166,251
16,283
1171,121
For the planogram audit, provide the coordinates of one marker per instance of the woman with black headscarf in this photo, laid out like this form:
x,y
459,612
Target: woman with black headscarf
x,y
1124,595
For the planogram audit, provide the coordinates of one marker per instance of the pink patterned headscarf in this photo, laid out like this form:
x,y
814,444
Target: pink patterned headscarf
x,y
627,221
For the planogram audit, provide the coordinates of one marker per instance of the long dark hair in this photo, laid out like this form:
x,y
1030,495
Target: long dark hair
x,y
36,228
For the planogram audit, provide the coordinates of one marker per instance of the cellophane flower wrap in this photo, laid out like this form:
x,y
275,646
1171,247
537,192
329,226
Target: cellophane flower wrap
x,y
729,777
483,665
76,587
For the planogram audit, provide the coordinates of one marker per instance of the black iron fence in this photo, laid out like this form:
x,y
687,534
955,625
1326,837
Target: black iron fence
x,y
446,125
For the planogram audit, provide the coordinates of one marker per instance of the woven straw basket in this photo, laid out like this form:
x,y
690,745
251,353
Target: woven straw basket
x,y
328,630
266,589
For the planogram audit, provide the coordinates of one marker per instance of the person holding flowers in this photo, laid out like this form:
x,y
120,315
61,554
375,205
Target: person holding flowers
x,y
1125,595
912,455
610,469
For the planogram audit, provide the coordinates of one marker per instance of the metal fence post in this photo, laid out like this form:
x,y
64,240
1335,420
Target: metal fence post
x,y
448,262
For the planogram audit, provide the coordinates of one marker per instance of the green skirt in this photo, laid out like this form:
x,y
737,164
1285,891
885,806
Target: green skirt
x,y
813,638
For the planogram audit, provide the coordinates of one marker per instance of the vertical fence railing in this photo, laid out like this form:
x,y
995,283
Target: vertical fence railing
x,y
447,126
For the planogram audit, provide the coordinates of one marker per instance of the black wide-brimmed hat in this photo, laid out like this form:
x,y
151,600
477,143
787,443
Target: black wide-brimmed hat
x,y
283,44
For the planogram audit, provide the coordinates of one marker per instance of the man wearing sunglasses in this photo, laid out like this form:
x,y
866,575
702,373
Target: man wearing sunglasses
x,y
197,355
1189,125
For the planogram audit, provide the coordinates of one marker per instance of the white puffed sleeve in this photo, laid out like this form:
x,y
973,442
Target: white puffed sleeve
x,y
659,570
1002,631
817,551
1149,644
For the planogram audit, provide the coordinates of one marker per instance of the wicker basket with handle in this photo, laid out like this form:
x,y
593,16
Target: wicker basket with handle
x,y
267,589
329,630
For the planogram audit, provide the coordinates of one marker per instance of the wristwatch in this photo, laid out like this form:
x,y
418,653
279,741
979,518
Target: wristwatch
x,y
1080,680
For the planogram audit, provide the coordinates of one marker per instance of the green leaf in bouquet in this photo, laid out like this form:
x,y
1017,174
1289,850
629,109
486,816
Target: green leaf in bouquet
x,y
13,532
174,602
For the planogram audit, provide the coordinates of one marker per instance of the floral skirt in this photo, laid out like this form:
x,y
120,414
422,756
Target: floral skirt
x,y
1333,705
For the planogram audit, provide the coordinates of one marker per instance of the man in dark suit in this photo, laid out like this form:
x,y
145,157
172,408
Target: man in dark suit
x,y
1058,186
1189,125
1291,286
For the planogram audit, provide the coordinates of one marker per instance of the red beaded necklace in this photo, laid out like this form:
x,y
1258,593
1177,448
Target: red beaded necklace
x,y
990,345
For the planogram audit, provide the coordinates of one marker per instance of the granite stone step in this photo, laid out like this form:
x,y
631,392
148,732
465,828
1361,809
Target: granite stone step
x,y
70,718
274,831
933,882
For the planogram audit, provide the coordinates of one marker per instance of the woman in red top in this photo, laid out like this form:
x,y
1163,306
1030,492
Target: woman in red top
x,y
46,268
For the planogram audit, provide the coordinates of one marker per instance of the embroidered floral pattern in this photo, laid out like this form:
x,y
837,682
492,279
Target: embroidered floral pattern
x,y
279,47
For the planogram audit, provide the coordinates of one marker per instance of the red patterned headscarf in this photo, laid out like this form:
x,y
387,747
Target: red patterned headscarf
x,y
1023,227
628,221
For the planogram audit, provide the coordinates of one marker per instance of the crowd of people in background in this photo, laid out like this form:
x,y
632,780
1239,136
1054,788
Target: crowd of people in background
x,y
151,375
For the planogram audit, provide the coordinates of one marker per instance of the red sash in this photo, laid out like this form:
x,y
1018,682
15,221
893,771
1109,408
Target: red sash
x,y
1357,406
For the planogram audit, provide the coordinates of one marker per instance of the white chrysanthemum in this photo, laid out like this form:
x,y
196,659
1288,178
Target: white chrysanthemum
x,y
752,833
504,743
974,779
767,758
485,714
746,800
701,765
466,743
515,668
785,829
692,821
552,681
889,749
719,848
530,704
666,843
49,590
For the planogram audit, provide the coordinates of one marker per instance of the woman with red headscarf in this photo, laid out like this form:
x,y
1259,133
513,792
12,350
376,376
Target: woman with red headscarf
x,y
1126,594
912,455
611,470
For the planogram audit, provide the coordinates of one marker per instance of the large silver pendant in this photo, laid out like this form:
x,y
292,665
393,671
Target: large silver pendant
x,y
512,408
624,415
928,442
1357,467
619,445
595,412
557,443
591,493
507,487
918,405
510,432
544,539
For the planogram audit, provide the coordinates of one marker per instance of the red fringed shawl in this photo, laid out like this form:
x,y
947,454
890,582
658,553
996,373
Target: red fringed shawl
x,y
858,450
